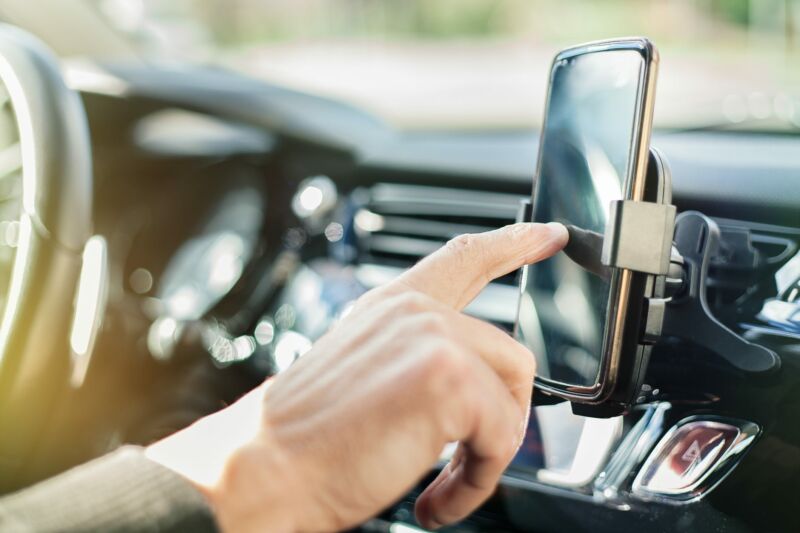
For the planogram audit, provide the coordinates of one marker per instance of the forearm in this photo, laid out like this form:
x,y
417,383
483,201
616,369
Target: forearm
x,y
123,491
227,457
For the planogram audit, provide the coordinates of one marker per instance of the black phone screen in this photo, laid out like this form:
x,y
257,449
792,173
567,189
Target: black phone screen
x,y
584,164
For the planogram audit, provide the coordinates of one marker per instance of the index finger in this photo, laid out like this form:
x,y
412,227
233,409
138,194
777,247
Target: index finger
x,y
459,270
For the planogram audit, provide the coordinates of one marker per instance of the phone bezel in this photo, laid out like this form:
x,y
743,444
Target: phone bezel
x,y
618,330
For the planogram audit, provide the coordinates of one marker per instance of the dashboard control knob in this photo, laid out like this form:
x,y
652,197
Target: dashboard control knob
x,y
692,458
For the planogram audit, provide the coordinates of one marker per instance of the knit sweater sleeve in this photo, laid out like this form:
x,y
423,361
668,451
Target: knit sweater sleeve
x,y
122,491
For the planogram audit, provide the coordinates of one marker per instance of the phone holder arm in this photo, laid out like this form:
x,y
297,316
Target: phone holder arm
x,y
647,237
688,315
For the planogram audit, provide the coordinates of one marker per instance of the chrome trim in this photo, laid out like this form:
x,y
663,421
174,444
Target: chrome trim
x,y
716,471
611,484
598,438
399,527
632,451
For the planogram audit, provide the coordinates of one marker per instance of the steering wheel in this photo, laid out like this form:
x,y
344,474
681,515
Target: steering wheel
x,y
51,269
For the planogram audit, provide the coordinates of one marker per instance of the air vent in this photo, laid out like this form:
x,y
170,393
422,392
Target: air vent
x,y
742,274
397,224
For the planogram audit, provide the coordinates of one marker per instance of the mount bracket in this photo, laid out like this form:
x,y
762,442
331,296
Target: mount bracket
x,y
688,315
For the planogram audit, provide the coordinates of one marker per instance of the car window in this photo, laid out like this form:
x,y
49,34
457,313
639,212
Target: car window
x,y
484,63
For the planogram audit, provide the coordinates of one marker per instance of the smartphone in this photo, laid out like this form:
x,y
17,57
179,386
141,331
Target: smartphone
x,y
580,322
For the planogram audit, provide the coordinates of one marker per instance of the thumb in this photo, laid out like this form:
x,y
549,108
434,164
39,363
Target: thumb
x,y
458,271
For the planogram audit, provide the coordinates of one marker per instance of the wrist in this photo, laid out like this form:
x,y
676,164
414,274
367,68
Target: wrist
x,y
225,456
251,492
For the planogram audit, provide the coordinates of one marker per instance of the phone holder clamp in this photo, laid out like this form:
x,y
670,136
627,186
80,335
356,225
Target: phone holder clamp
x,y
680,259
688,315
639,236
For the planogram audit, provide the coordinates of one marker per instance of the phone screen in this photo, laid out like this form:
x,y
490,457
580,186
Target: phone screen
x,y
585,163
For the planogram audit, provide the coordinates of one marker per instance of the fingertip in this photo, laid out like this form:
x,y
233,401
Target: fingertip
x,y
544,240
423,514
559,232
423,507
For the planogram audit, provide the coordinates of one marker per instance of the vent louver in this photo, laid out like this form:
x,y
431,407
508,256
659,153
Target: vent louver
x,y
397,224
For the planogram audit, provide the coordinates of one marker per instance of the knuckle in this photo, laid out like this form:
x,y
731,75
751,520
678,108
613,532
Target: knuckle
x,y
461,243
442,355
410,302
518,233
523,361
501,456
464,247
425,327
469,253
505,446
527,366
445,367
434,324
372,298
531,370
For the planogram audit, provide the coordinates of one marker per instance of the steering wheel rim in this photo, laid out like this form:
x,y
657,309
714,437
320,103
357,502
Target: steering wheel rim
x,y
54,227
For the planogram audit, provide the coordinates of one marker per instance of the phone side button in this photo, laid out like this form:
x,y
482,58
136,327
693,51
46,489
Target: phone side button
x,y
654,321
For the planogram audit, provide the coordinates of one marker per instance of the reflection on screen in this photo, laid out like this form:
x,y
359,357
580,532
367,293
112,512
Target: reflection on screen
x,y
584,163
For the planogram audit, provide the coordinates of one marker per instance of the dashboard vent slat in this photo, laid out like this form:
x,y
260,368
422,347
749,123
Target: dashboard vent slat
x,y
429,228
442,201
404,246
396,224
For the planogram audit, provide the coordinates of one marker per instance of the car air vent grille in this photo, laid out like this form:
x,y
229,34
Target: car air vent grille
x,y
397,224
742,273
394,225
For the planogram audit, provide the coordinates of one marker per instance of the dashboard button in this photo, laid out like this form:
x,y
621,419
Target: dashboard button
x,y
692,457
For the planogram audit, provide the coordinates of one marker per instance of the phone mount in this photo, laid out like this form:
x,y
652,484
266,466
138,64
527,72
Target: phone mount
x,y
639,232
638,239
673,254
688,315
647,237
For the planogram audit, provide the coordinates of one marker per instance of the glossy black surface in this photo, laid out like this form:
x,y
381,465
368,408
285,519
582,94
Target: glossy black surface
x,y
586,161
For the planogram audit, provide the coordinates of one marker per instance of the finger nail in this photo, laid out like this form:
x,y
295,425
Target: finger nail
x,y
558,230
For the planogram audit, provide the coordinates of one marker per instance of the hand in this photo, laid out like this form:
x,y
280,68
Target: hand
x,y
358,420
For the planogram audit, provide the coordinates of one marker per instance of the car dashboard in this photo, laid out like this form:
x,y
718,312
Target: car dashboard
x,y
249,218
571,473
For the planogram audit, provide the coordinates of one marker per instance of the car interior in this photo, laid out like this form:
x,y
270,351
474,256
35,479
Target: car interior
x,y
173,232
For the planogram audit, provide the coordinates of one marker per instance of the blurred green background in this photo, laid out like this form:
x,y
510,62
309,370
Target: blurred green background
x,y
483,63
234,22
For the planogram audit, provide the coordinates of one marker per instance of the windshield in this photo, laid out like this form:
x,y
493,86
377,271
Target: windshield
x,y
483,63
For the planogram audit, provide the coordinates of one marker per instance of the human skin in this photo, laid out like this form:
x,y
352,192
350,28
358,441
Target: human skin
x,y
365,414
